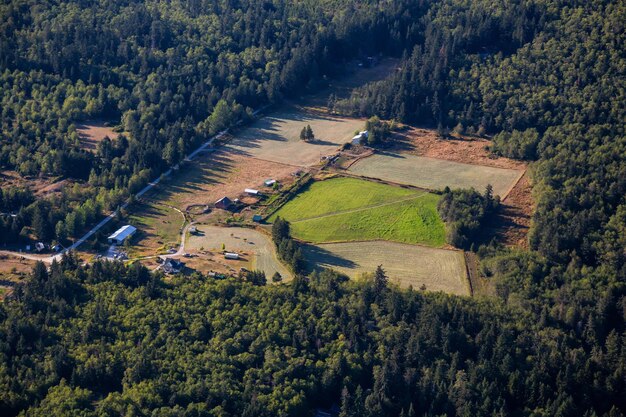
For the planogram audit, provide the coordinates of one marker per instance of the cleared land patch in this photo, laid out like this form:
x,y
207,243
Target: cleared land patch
x,y
257,249
347,209
211,176
277,137
437,269
92,132
435,174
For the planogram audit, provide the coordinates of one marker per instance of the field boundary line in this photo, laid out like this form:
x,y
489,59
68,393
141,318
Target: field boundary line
x,y
389,203
337,242
519,178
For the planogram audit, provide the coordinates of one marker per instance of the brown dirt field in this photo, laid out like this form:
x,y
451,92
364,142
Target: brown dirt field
x,y
211,176
465,149
40,186
12,271
92,132
256,249
515,216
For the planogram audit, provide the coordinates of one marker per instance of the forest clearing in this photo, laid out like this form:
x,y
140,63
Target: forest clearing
x,y
94,131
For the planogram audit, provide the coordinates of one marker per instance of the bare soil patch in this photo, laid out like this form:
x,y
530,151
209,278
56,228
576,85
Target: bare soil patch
x,y
515,215
406,265
255,248
211,176
41,186
13,270
93,131
464,149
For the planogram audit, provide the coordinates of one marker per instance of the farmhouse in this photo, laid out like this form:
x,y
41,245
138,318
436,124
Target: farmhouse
x,y
231,255
223,203
172,266
122,234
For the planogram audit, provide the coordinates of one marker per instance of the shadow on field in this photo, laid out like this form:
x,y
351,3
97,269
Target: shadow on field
x,y
316,255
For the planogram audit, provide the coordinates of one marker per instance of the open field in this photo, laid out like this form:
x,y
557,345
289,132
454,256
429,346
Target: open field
x,y
277,137
437,269
158,227
40,186
337,195
255,247
465,149
92,132
435,174
346,209
211,176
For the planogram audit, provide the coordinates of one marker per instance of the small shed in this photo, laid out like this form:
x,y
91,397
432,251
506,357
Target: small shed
x,y
252,191
270,182
257,218
39,246
223,203
231,255
122,234
193,230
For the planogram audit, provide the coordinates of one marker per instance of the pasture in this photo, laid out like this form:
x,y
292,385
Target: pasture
x,y
405,265
257,249
276,137
349,209
435,174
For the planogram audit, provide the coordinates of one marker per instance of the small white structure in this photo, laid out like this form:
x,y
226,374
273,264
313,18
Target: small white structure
x,y
270,182
231,255
358,138
251,191
122,234
193,230
39,246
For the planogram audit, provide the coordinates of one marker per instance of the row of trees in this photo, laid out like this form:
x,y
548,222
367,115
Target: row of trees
x,y
288,249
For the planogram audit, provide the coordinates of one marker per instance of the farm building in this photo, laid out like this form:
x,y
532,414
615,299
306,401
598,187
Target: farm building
x,y
358,138
251,191
223,203
257,218
122,234
231,255
172,266
269,183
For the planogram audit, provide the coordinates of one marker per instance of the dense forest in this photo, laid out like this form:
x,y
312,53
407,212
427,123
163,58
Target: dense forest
x,y
546,78
172,74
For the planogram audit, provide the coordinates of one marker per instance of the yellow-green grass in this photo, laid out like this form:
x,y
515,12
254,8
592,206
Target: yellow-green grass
x,y
158,227
435,174
434,269
348,209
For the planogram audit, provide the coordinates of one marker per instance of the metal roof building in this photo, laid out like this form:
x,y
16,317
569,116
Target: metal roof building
x,y
122,234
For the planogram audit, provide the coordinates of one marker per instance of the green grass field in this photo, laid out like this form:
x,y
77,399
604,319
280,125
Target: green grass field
x,y
348,209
